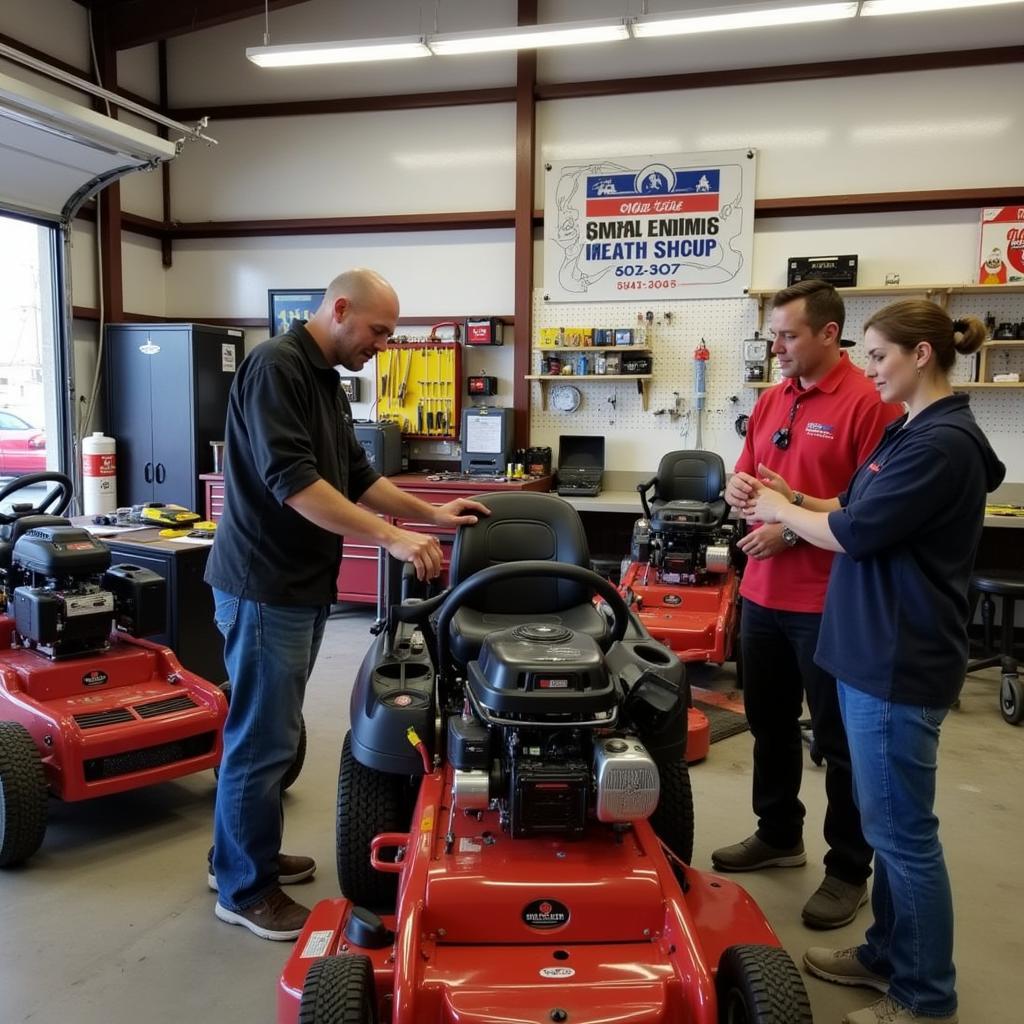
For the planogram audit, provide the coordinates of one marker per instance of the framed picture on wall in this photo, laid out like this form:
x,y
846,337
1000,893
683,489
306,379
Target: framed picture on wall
x,y
288,304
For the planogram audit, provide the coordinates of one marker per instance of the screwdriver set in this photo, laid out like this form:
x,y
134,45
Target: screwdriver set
x,y
418,388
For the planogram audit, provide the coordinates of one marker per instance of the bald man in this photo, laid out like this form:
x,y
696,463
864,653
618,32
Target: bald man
x,y
293,474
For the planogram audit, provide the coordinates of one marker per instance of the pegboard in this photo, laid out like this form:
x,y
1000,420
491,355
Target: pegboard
x,y
636,440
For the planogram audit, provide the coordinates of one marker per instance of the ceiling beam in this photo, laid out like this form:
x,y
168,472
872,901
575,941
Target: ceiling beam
x,y
135,22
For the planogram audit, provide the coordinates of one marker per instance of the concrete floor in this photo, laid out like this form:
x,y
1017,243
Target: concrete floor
x,y
112,922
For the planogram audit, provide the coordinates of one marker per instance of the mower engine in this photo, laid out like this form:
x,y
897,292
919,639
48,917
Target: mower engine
x,y
683,544
67,596
546,736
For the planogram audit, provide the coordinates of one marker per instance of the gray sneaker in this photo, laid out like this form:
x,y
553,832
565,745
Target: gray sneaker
x,y
277,917
834,904
752,854
842,967
888,1011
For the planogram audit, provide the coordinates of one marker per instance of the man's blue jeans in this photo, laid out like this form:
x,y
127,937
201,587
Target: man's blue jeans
x,y
894,749
269,652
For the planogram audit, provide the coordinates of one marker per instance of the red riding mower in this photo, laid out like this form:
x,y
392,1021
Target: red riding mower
x,y
681,580
85,711
515,817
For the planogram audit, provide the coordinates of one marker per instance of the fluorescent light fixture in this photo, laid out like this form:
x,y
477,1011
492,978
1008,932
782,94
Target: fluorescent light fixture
x,y
351,51
873,8
750,16
529,37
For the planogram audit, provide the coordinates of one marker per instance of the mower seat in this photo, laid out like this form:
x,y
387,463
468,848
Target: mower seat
x,y
690,476
522,525
10,533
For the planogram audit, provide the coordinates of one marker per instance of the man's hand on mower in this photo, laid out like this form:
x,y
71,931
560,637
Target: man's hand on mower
x,y
420,550
763,542
460,512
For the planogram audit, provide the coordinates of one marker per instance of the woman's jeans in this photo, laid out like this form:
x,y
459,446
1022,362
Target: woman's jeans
x,y
894,749
269,652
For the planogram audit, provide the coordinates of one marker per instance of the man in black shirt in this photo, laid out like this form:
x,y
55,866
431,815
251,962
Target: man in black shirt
x,y
293,474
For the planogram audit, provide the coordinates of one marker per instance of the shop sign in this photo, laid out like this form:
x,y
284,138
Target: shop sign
x,y
679,226
1001,259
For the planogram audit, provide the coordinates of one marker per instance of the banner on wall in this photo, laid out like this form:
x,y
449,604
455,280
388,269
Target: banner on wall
x,y
1001,260
679,226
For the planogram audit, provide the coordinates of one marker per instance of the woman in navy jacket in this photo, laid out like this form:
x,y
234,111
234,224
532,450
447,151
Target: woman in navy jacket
x,y
894,634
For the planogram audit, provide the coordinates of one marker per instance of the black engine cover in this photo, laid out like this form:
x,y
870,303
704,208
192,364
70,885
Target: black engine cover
x,y
542,671
548,798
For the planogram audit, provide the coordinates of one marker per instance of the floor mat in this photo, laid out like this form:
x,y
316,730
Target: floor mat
x,y
724,712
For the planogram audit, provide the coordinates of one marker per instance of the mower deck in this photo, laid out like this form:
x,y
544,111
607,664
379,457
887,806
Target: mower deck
x,y
508,931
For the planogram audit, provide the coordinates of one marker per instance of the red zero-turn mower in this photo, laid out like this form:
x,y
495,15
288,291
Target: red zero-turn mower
x,y
682,580
515,817
85,711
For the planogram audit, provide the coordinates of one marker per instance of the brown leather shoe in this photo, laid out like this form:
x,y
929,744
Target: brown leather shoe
x,y
290,869
277,916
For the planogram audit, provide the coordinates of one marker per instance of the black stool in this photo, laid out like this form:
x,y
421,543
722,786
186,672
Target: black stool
x,y
1008,586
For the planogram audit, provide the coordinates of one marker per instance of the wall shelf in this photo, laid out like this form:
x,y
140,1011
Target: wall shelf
x,y
643,381
592,348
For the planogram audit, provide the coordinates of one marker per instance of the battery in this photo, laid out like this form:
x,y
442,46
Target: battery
x,y
485,331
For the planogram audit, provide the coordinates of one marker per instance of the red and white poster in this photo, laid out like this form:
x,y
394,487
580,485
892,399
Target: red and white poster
x,y
1001,257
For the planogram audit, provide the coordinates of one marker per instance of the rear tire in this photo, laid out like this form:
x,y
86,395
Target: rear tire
x,y
339,990
672,820
369,802
23,795
760,985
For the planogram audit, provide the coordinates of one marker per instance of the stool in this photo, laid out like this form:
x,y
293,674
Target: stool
x,y
1009,586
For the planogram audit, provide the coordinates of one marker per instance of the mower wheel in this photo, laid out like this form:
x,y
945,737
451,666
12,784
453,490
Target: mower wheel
x,y
672,820
339,990
760,985
23,795
369,802
300,754
1011,698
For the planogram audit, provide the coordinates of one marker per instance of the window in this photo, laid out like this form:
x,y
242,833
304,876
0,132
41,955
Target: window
x,y
29,388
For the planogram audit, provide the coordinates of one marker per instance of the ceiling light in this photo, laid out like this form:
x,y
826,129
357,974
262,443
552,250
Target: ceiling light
x,y
738,18
529,37
352,51
876,7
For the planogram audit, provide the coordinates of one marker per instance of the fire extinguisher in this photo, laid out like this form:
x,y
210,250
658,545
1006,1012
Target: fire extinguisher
x,y
701,356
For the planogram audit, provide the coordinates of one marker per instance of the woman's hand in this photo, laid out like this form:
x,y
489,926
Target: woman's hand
x,y
768,505
769,478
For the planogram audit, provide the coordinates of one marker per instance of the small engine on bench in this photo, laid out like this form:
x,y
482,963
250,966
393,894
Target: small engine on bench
x,y
683,542
67,597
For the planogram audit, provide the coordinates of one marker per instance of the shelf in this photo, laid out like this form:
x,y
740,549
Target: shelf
x,y
985,384
568,378
995,343
939,292
592,348
643,381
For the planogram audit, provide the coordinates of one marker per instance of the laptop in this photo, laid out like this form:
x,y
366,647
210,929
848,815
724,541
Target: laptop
x,y
580,465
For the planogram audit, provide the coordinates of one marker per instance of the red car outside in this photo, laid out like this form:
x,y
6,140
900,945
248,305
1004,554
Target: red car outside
x,y
22,446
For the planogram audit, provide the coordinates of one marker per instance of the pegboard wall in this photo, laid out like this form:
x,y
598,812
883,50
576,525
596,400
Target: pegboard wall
x,y
635,440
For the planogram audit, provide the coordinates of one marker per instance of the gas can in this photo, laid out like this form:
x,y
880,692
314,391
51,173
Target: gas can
x,y
99,474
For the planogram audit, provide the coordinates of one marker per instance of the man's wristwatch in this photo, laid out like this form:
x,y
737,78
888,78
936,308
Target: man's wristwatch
x,y
789,537
797,499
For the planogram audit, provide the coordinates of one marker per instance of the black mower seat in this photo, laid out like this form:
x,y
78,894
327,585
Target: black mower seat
x,y
697,476
10,533
522,525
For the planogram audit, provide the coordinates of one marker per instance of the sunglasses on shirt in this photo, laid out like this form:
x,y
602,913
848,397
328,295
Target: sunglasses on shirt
x,y
783,435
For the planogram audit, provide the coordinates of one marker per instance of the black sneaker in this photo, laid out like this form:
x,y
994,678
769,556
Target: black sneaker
x,y
753,853
290,869
834,904
276,916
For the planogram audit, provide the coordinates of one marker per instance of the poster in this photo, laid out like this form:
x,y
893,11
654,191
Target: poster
x,y
649,227
1001,257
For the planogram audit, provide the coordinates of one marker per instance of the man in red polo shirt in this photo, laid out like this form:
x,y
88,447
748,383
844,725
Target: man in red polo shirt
x,y
815,428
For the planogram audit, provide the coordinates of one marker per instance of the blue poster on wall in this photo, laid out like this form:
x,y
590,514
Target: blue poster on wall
x,y
288,304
